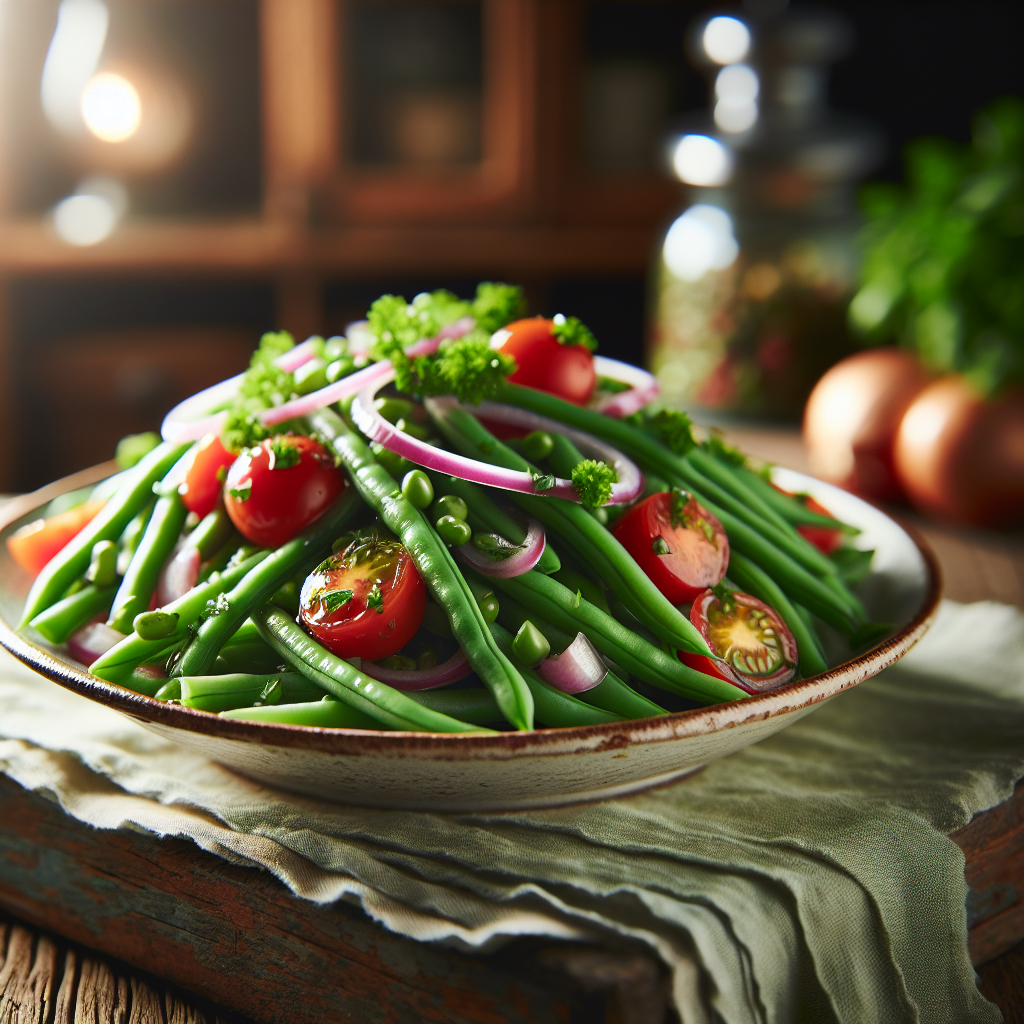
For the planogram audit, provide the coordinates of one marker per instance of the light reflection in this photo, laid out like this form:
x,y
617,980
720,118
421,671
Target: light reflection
x,y
726,40
736,88
702,160
71,60
700,240
92,213
111,108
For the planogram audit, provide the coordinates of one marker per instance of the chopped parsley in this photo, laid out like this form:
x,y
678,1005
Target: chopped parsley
x,y
283,455
242,493
724,452
570,330
592,481
375,599
542,481
332,600
672,428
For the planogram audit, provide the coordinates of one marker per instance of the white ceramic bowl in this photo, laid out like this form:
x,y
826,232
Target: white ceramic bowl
x,y
509,770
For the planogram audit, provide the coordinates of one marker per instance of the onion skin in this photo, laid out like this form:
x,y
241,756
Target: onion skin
x,y
852,416
960,457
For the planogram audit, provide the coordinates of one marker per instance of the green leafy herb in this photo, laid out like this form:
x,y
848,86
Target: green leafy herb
x,y
332,600
660,547
283,454
542,481
495,546
242,493
465,367
592,481
853,565
673,429
496,305
570,330
944,254
612,386
375,599
724,452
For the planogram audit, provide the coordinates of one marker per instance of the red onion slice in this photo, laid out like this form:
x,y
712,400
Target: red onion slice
x,y
298,356
178,576
515,565
578,668
643,387
91,641
451,671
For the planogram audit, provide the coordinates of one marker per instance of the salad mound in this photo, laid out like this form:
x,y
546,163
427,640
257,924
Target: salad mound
x,y
453,519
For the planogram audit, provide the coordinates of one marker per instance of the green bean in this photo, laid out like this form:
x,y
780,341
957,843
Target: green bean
x,y
726,476
133,533
301,554
484,516
530,645
119,662
255,657
594,544
102,569
212,533
242,690
146,683
327,713
484,595
754,580
68,615
390,707
555,708
552,603
140,578
72,561
437,567
155,625
835,584
620,698
512,615
564,456
477,706
787,505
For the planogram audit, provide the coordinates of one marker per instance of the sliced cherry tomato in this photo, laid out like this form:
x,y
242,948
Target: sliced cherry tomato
x,y
367,600
35,544
543,363
824,539
277,489
208,464
758,651
678,543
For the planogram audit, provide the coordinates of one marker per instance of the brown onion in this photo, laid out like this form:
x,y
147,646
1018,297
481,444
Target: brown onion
x,y
960,457
851,418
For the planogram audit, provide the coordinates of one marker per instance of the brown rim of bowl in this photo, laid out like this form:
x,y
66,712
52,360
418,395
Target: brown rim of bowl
x,y
454,746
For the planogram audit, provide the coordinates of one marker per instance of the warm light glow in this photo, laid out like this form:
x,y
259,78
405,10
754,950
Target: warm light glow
x,y
736,88
699,241
702,160
92,213
71,60
111,108
726,40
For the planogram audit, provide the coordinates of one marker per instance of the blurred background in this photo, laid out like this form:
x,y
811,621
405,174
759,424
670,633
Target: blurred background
x,y
177,176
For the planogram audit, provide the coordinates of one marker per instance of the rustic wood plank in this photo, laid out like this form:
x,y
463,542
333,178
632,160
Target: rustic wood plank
x,y
64,1011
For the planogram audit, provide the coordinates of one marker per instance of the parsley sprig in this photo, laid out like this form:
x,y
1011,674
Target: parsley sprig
x,y
592,481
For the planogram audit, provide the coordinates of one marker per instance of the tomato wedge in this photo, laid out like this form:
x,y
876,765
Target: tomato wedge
x,y
679,544
277,489
544,363
35,544
206,471
756,648
824,539
367,600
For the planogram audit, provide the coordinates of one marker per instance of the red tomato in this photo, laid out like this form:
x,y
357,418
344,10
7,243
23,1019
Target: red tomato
x,y
204,478
277,489
35,544
758,651
563,370
823,538
678,543
367,600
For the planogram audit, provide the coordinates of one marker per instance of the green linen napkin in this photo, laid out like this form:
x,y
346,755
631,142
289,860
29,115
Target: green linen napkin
x,y
809,877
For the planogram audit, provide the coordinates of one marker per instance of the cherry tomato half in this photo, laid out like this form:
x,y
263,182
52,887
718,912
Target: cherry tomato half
x,y
277,489
563,370
679,544
367,600
758,651
204,476
35,544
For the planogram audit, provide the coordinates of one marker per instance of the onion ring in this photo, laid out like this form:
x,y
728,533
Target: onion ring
x,y
451,671
516,564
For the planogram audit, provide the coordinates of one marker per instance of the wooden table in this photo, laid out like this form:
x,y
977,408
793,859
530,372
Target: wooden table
x,y
216,936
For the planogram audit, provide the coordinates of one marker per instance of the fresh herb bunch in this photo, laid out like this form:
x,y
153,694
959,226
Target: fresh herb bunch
x,y
263,386
944,255
674,429
465,367
725,452
592,481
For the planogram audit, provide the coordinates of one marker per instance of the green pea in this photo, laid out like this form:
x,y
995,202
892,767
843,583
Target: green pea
x,y
335,347
155,625
311,376
340,367
453,531
530,646
416,486
489,607
449,505
397,465
537,445
393,409
103,565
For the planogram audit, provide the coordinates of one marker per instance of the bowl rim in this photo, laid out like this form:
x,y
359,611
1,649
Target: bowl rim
x,y
802,694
